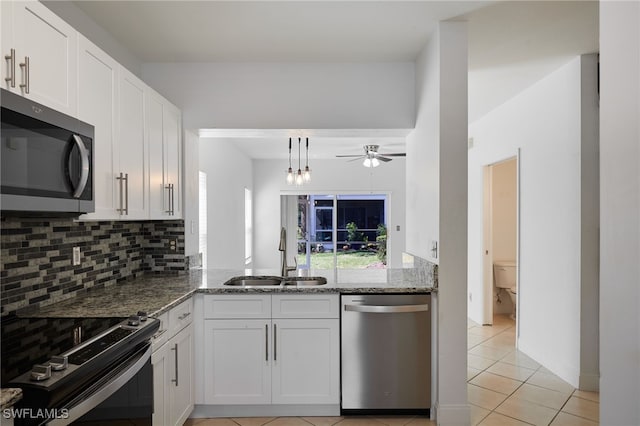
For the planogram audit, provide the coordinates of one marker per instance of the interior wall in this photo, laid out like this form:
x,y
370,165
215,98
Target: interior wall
x,y
437,206
229,172
331,177
619,213
503,221
544,121
288,95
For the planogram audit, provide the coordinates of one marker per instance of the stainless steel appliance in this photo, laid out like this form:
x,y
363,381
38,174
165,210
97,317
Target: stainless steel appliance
x,y
77,371
386,353
47,159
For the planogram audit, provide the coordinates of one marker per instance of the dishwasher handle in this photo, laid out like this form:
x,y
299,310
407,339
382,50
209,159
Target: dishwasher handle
x,y
376,309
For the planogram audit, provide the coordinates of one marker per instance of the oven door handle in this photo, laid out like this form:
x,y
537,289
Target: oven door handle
x,y
103,389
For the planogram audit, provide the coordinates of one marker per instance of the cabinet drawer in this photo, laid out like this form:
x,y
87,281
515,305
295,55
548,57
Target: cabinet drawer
x,y
305,306
180,316
161,335
237,306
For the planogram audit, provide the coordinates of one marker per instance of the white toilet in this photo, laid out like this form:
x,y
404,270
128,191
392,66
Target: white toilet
x,y
504,275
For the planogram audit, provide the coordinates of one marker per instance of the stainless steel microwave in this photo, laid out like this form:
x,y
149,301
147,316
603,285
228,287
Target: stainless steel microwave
x,y
46,158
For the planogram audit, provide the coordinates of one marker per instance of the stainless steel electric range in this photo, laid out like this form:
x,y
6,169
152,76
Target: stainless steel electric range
x,y
79,370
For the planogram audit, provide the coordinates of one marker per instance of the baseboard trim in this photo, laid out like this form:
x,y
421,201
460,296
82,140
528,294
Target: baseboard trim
x,y
453,414
589,382
214,411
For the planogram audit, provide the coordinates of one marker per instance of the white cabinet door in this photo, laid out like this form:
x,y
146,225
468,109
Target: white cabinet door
x,y
172,131
132,148
190,192
182,391
162,369
237,368
158,194
8,70
45,55
97,105
165,156
306,361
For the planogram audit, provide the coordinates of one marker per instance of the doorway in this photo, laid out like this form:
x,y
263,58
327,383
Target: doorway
x,y
500,235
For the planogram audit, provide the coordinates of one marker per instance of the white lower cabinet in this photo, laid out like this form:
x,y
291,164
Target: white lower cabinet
x,y
305,361
284,352
172,361
237,367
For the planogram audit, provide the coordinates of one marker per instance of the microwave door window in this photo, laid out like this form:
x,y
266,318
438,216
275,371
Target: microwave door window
x,y
34,160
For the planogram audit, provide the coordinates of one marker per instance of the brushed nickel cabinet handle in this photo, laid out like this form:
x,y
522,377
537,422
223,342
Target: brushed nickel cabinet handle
x,y
173,201
11,57
275,343
266,342
126,194
175,348
168,188
120,180
25,66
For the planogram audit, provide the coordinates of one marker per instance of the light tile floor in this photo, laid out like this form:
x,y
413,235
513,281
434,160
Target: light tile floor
x,y
505,387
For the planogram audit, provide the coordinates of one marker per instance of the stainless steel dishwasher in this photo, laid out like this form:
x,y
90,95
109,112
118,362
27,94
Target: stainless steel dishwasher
x,y
386,353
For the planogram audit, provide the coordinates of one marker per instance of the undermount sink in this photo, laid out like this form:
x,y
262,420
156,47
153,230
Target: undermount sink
x,y
273,281
305,281
254,281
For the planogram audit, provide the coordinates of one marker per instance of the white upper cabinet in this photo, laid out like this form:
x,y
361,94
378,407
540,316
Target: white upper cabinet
x,y
98,76
191,194
165,157
40,55
132,177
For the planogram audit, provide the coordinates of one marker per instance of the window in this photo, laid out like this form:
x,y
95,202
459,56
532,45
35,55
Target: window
x,y
248,227
342,231
202,199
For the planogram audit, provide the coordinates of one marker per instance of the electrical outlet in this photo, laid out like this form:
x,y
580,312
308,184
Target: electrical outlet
x,y
76,256
173,244
470,297
434,249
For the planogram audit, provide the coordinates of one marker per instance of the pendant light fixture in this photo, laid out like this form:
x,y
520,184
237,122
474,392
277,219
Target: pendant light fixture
x,y
307,170
290,171
299,178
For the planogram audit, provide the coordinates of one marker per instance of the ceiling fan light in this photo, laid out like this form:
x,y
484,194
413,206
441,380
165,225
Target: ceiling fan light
x,y
371,162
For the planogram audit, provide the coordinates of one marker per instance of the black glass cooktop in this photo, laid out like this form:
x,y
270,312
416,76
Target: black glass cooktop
x,y
29,341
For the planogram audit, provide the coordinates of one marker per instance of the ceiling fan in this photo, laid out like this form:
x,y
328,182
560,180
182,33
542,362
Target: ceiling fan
x,y
372,157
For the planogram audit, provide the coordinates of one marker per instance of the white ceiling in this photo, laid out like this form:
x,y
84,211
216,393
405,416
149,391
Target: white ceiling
x,y
512,44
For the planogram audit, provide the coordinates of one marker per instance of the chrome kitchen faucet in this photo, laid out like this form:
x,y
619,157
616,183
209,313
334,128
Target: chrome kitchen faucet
x,y
284,269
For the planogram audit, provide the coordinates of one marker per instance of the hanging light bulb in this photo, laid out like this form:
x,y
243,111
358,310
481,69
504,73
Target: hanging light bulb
x,y
307,171
290,178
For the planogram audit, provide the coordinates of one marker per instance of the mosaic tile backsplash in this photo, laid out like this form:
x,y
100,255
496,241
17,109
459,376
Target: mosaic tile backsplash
x,y
37,256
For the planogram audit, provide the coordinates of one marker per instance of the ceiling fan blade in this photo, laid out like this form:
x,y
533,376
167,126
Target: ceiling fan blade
x,y
381,158
352,155
397,154
360,157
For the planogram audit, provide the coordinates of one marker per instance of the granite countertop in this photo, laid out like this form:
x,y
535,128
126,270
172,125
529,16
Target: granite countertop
x,y
9,397
157,294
